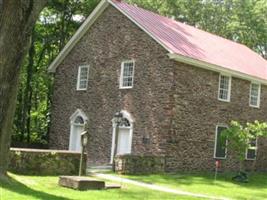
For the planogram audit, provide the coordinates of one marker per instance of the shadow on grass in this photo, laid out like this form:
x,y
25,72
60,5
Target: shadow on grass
x,y
15,186
256,180
176,179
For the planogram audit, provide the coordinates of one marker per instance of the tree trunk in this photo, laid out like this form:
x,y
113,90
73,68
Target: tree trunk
x,y
17,18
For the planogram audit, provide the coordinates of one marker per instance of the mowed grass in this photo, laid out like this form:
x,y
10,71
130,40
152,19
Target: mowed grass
x,y
18,187
256,189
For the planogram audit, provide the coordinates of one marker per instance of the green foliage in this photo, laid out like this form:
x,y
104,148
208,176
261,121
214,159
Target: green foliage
x,y
56,24
244,21
239,136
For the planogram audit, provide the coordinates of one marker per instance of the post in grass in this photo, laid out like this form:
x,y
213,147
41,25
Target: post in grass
x,y
217,166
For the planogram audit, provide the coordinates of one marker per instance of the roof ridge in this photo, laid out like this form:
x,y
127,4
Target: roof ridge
x,y
182,41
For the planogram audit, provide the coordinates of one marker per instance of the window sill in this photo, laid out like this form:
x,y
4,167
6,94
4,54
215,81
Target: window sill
x,y
250,159
125,88
79,90
224,100
252,106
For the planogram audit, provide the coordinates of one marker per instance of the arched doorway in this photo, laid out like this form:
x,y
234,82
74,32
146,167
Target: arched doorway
x,y
125,134
77,124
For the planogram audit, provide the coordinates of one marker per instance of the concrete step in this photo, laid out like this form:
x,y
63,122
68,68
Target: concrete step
x,y
112,186
102,168
85,183
81,183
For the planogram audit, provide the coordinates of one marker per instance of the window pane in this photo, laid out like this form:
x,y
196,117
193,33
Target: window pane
x,y
83,77
79,120
127,74
254,94
224,87
251,152
127,81
220,144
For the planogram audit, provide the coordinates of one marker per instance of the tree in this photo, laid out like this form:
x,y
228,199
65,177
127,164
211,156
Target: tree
x,y
17,19
244,21
239,137
57,23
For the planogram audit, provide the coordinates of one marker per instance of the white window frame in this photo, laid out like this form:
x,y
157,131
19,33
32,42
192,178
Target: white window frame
x,y
121,75
259,95
78,78
229,88
215,144
256,148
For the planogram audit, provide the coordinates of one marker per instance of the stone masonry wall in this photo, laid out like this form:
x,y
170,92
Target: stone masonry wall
x,y
44,162
112,39
139,164
172,103
196,113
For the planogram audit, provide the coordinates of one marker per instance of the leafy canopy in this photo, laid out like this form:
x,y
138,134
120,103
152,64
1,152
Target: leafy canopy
x,y
239,137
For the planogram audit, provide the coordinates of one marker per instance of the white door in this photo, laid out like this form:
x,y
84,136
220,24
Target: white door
x,y
75,140
123,141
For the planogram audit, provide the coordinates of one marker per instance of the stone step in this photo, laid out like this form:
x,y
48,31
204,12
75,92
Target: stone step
x,y
81,183
102,168
113,186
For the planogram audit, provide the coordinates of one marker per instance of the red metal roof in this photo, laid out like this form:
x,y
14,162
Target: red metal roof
x,y
194,43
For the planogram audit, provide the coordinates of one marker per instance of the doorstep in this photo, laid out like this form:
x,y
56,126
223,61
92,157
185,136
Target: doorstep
x,y
99,168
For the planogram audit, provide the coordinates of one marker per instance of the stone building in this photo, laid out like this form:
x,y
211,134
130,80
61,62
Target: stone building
x,y
176,86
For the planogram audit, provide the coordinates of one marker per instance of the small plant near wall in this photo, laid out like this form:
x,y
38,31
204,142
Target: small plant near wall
x,y
240,138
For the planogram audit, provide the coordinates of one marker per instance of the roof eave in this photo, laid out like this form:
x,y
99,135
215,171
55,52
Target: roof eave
x,y
216,68
84,28
78,35
140,26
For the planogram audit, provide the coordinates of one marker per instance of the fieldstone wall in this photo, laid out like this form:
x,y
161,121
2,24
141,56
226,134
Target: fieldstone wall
x,y
174,105
44,162
196,113
104,47
139,164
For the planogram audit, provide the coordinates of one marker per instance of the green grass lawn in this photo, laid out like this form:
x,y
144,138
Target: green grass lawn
x,y
256,189
45,188
19,187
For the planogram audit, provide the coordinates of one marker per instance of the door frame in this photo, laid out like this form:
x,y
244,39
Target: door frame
x,y
74,127
128,116
77,113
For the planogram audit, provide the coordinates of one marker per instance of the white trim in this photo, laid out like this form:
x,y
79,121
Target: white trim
x,y
79,77
216,68
98,11
78,112
215,144
121,74
84,28
72,118
78,35
256,147
228,90
128,116
259,95
141,27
